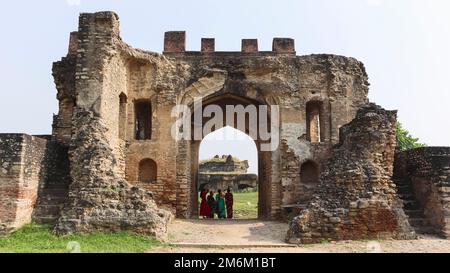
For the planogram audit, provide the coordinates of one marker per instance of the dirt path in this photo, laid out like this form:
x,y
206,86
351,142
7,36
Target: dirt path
x,y
227,232
253,236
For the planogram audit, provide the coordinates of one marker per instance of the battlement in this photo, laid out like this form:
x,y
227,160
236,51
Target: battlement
x,y
106,24
175,43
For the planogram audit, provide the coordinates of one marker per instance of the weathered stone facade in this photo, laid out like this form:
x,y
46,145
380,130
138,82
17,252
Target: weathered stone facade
x,y
21,171
114,81
224,181
112,138
356,197
427,172
226,172
225,163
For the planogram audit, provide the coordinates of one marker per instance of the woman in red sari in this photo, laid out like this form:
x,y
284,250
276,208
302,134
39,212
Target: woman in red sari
x,y
205,210
229,203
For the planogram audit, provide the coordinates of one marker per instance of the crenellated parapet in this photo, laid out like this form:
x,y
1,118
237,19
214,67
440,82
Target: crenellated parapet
x,y
175,44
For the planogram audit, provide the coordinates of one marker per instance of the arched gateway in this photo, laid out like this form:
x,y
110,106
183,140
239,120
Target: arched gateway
x,y
244,114
137,104
325,161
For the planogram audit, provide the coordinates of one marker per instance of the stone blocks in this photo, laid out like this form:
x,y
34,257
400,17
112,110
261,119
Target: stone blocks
x,y
283,45
208,45
249,45
175,42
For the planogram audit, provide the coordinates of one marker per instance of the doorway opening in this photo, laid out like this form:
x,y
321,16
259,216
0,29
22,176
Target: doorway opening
x,y
242,125
228,160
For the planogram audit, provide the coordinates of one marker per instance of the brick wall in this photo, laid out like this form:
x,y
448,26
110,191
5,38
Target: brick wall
x,y
356,197
428,171
21,161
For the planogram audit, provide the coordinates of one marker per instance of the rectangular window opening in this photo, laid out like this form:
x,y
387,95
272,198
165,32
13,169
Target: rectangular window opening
x,y
143,120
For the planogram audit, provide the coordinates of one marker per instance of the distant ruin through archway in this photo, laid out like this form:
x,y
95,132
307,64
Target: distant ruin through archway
x,y
228,159
264,158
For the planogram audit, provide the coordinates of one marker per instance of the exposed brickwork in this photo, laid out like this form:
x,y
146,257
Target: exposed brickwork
x,y
283,45
64,74
98,198
21,170
338,84
208,45
249,45
175,41
96,149
356,197
427,172
53,188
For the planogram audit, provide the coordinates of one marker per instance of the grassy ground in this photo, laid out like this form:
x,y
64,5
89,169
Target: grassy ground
x,y
39,239
245,205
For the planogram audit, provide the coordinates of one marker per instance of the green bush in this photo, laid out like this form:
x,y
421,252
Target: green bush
x,y
405,141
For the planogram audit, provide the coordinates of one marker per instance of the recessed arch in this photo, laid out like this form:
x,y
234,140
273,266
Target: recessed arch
x,y
309,173
122,115
148,171
225,100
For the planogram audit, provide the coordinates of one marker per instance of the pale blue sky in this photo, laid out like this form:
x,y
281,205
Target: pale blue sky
x,y
405,45
228,141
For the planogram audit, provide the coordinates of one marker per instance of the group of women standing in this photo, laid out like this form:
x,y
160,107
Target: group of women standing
x,y
219,204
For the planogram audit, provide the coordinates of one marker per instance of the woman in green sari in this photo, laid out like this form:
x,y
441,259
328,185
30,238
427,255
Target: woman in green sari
x,y
220,209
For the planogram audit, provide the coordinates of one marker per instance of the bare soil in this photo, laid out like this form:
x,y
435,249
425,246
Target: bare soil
x,y
254,236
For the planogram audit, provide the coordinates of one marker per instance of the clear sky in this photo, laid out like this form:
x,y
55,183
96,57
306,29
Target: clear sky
x,y
405,45
229,141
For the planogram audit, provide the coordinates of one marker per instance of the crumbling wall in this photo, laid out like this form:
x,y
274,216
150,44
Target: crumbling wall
x,y
110,77
64,77
356,198
22,169
428,171
224,181
153,79
99,196
339,85
224,164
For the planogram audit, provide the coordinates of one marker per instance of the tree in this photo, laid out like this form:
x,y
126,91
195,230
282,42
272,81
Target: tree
x,y
405,141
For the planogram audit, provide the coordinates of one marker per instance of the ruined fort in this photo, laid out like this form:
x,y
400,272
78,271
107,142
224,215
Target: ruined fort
x,y
226,172
112,162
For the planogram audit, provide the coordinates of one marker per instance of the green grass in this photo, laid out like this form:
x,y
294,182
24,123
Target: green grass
x,y
35,238
245,205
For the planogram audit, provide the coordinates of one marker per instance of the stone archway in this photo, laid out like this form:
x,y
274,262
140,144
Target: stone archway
x,y
268,194
228,159
264,158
